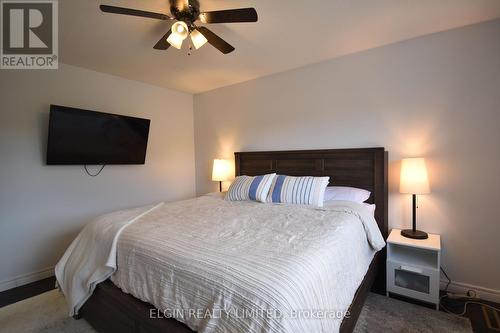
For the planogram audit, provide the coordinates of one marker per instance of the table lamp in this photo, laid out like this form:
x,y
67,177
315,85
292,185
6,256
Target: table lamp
x,y
221,171
414,181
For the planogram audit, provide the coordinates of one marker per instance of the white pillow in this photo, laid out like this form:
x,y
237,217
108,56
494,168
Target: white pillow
x,y
370,207
250,188
298,190
346,194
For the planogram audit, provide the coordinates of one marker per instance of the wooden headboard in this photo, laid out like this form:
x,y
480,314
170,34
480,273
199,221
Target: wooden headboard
x,y
361,167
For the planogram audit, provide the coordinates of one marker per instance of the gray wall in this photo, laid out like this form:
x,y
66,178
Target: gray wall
x,y
42,207
436,96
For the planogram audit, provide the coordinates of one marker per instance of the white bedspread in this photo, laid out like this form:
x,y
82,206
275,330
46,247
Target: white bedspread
x,y
238,266
91,257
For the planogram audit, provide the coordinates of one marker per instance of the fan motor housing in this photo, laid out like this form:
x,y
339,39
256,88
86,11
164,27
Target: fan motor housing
x,y
187,14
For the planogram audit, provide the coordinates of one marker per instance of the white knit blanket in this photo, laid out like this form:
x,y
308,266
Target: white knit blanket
x,y
223,266
91,257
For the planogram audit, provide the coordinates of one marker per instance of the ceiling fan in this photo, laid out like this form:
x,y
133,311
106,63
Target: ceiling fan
x,y
187,15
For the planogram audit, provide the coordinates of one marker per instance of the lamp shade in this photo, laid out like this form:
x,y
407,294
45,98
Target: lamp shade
x,y
414,178
175,41
180,29
198,39
221,170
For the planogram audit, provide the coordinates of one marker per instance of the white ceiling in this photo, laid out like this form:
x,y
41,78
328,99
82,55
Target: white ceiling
x,y
289,34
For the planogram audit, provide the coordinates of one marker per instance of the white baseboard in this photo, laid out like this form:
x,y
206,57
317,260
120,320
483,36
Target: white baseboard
x,y
26,278
483,293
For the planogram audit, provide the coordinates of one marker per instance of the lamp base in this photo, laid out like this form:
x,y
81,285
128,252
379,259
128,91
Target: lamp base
x,y
417,234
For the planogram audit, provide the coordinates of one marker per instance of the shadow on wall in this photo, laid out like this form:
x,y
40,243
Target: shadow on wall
x,y
43,130
394,172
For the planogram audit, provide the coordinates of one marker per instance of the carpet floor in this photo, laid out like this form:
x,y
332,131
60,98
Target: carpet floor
x,y
47,313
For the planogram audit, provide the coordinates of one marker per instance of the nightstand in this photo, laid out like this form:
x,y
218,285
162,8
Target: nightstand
x,y
413,267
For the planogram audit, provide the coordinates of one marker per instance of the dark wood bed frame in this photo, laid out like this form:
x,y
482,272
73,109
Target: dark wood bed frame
x,y
111,310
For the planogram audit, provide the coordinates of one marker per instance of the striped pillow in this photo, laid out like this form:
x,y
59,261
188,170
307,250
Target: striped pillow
x,y
250,188
298,190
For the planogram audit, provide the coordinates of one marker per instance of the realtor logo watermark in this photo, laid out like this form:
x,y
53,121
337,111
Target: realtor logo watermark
x,y
29,34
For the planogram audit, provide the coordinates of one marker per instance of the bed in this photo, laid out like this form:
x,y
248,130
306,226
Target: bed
x,y
112,308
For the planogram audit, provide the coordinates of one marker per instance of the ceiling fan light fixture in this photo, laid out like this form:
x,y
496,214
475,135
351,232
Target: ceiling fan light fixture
x,y
198,39
180,29
184,14
175,40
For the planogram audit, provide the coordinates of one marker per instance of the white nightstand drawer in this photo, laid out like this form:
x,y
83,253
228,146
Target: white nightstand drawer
x,y
413,281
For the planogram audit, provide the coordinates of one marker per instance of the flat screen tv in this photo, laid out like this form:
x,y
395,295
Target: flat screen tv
x,y
87,137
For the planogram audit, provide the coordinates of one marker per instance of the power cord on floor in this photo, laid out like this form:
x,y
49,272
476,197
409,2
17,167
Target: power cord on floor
x,y
465,306
471,296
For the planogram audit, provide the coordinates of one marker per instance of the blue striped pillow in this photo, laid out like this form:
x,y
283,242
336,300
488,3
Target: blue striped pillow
x,y
250,188
298,190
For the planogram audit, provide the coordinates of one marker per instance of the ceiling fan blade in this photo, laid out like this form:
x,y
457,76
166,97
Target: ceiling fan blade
x,y
133,12
162,43
217,42
230,16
